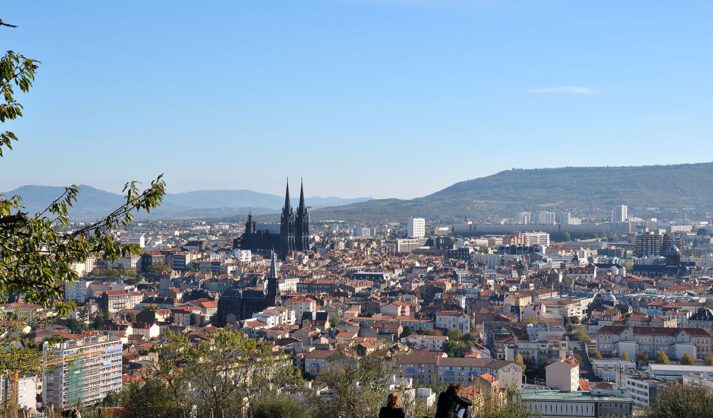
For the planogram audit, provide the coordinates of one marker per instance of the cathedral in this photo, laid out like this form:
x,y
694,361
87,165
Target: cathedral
x,y
254,295
293,234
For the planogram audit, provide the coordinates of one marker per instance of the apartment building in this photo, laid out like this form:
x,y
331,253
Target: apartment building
x,y
113,301
425,342
453,320
547,403
81,370
416,228
436,368
614,340
300,306
76,290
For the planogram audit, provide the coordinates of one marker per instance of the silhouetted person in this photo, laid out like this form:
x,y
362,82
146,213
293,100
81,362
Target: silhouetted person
x,y
392,408
450,402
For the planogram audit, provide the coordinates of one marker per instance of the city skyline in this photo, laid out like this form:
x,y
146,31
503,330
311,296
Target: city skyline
x,y
423,93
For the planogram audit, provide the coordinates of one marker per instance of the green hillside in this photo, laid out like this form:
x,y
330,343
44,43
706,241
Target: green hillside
x,y
579,189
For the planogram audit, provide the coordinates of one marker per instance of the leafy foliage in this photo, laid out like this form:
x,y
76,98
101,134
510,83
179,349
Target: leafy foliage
x,y
37,250
682,401
708,360
16,71
686,359
519,360
662,358
279,407
358,386
458,344
218,375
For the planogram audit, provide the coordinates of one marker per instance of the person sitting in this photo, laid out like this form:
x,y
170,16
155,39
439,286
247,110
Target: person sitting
x,y
450,403
392,408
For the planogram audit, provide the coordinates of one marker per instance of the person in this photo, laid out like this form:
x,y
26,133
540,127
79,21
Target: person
x,y
392,408
450,403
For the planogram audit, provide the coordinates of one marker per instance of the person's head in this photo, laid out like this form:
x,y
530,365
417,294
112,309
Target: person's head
x,y
453,389
393,400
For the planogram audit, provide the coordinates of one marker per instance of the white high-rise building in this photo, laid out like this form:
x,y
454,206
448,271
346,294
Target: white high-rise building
x,y
524,218
529,239
81,370
621,213
564,218
546,218
416,228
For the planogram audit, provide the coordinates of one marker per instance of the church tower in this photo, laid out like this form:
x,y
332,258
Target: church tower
x,y
287,227
272,286
302,224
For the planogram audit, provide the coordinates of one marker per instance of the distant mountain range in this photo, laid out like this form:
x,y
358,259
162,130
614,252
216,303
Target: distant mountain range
x,y
93,202
578,189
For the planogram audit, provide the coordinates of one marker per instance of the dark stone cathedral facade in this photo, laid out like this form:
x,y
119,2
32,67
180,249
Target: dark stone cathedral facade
x,y
293,234
240,302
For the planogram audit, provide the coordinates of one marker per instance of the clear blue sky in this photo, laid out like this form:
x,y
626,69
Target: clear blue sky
x,y
385,98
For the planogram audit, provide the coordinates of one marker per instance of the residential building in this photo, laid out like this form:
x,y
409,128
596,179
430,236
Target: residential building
x,y
563,375
621,213
113,301
546,218
416,228
614,340
453,320
435,368
524,218
548,403
76,290
81,370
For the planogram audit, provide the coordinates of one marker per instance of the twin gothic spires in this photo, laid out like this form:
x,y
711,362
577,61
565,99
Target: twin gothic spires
x,y
294,228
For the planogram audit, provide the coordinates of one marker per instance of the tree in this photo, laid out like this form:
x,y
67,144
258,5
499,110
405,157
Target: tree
x,y
641,358
37,250
708,360
232,369
112,399
582,335
75,326
131,317
682,401
491,408
406,332
519,360
357,386
624,356
597,355
279,407
153,399
100,318
662,358
454,348
685,359
220,375
455,334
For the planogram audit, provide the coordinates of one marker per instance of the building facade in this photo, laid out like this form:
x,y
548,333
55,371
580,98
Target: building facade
x,y
293,234
81,371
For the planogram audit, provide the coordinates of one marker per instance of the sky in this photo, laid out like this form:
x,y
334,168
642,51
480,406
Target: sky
x,y
381,98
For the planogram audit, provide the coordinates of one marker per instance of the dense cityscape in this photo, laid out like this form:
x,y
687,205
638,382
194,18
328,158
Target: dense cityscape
x,y
593,326
356,209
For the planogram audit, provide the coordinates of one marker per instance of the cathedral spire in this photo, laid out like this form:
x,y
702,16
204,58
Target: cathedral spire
x,y
301,207
273,265
287,196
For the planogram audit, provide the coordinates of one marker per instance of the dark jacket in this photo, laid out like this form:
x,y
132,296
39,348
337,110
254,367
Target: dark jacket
x,y
387,412
449,403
